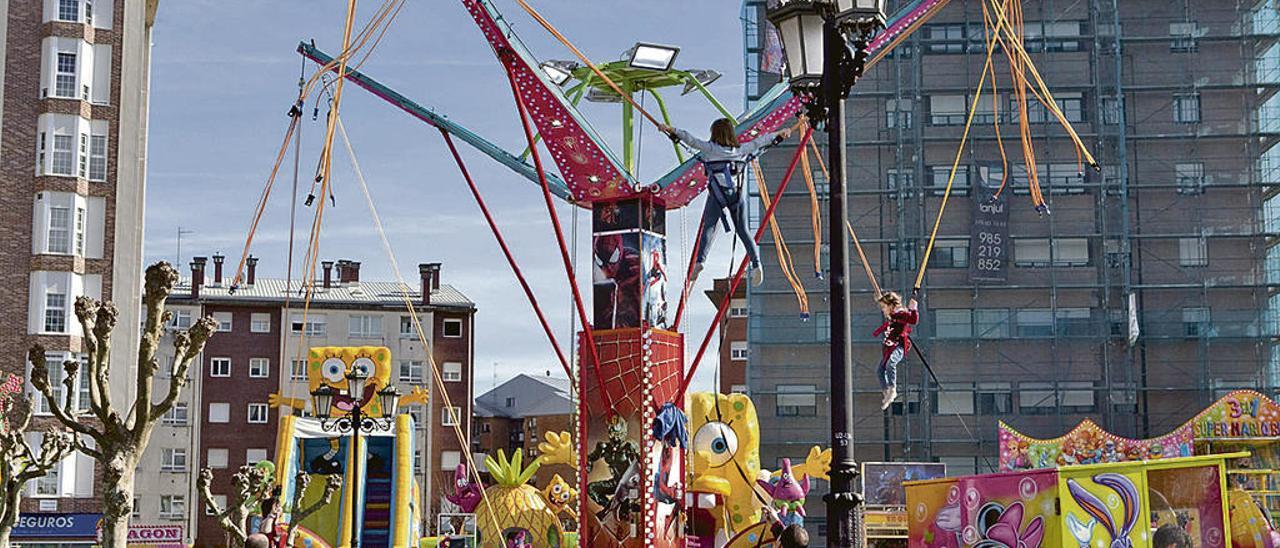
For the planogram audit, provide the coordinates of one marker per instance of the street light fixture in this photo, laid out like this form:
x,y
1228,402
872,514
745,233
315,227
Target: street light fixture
x,y
658,57
701,77
822,69
558,72
356,422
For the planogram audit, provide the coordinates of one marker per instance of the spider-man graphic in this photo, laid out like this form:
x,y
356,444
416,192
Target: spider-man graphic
x,y
616,258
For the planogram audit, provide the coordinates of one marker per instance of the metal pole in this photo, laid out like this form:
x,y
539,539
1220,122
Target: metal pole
x,y
841,501
355,473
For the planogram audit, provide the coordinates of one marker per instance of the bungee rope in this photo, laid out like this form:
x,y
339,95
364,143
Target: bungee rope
x,y
785,261
815,214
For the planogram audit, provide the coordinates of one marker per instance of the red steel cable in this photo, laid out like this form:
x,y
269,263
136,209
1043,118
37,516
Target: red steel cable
x,y
511,260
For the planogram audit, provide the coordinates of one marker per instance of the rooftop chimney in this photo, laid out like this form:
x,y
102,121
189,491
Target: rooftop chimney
x,y
328,273
251,264
430,275
218,258
197,275
353,271
340,268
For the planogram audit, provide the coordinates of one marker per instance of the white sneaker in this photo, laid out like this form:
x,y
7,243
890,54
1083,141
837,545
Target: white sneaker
x,y
693,276
890,394
757,275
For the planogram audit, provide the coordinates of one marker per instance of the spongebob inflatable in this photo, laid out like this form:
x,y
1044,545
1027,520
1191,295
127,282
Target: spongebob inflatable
x,y
382,487
727,506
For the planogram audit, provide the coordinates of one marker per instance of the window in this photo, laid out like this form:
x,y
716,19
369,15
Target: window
x,y
950,254
1070,103
1073,322
137,507
97,157
59,230
69,10
224,320
898,113
82,170
902,259
40,405
1034,322
254,456
947,110
219,413
450,416
79,231
985,111
1186,108
411,371
944,38
83,398
64,79
449,459
1070,252
173,460
364,326
991,323
260,322
64,155
994,398
1195,321
1190,177
940,175
181,319
1034,252
957,399
55,312
220,501
1193,252
1183,37
896,179
797,400
738,389
219,367
1036,398
417,413
737,308
417,462
298,370
49,485
1031,252
259,368
453,328
407,328
954,323
178,415
258,413
511,402
738,350
451,372
173,506
315,324
1111,111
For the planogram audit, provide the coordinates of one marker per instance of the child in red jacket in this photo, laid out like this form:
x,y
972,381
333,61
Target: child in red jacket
x,y
897,341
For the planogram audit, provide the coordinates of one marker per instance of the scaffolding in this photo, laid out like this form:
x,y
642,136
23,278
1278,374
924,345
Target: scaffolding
x,y
1177,100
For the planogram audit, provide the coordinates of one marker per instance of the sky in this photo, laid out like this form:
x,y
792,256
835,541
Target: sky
x,y
225,73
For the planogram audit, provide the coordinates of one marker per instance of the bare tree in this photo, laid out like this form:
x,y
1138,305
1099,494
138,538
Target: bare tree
x,y
19,463
119,439
299,513
249,486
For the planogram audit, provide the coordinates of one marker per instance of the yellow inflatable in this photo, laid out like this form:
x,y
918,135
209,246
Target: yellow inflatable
x,y
1249,526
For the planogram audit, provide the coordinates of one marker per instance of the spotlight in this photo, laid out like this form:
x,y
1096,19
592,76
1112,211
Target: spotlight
x,y
651,56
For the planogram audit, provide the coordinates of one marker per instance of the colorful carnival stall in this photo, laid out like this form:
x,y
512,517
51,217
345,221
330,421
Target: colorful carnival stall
x,y
882,518
1242,421
1109,504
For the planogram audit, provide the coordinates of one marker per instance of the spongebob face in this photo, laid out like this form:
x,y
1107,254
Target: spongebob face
x,y
559,493
329,365
726,444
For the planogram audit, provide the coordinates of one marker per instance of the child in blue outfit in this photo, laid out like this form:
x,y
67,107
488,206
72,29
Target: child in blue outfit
x,y
724,159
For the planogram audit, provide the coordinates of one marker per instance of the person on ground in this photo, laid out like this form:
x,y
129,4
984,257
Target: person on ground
x,y
1170,535
896,331
725,159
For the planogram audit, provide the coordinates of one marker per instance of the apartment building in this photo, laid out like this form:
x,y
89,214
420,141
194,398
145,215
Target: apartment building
x,y
518,413
73,110
1145,294
225,420
734,351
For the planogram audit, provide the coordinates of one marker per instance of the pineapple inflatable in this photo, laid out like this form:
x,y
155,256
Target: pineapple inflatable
x,y
516,514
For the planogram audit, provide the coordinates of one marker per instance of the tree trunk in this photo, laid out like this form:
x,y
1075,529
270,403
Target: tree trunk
x,y
9,515
117,500
4,536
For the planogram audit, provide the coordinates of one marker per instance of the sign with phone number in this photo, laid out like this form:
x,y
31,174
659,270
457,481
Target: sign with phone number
x,y
989,243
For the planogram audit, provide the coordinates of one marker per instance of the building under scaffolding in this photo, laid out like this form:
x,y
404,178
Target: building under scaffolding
x,y
1175,235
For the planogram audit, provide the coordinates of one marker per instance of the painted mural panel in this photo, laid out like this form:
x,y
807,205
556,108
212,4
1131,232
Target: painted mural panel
x,y
1104,509
1190,498
989,511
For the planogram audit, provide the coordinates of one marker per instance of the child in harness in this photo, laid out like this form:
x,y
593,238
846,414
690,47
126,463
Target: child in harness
x,y
896,331
724,159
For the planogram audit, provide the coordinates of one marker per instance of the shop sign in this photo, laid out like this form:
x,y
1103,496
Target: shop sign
x,y
57,526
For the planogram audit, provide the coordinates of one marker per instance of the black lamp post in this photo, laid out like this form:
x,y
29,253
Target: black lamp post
x,y
821,67
356,422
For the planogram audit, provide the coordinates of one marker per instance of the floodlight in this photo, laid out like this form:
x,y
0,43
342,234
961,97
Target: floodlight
x,y
702,76
558,72
651,56
598,95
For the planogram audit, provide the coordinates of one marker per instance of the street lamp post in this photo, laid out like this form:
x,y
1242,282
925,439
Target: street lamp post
x,y
356,422
821,67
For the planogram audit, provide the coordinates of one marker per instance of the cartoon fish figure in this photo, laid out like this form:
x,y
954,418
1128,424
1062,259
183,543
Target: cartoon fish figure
x,y
788,494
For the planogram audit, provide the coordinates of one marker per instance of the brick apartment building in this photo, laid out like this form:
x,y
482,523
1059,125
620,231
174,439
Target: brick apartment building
x,y
518,413
1177,100
734,349
224,420
73,111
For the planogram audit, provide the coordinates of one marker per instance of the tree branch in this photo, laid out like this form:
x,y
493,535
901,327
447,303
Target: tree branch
x,y
160,280
97,319
224,520
55,445
301,481
40,380
187,347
